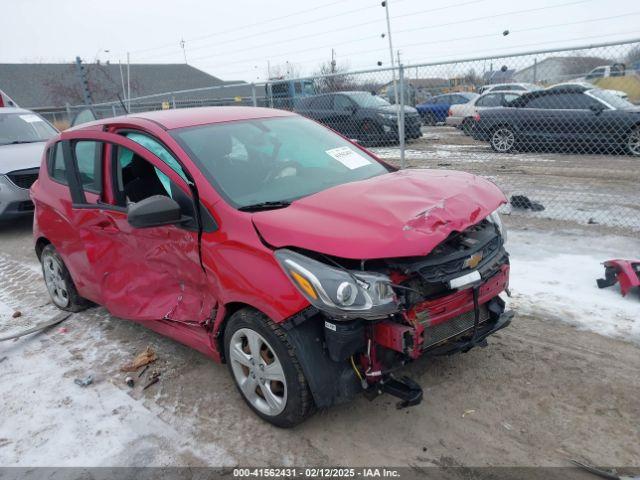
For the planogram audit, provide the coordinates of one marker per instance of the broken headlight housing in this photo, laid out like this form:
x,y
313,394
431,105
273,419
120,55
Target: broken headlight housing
x,y
497,221
342,293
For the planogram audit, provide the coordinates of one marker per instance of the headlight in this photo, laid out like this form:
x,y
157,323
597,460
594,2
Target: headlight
x,y
388,116
497,221
341,293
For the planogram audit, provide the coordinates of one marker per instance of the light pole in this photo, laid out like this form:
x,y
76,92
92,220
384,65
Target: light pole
x,y
385,4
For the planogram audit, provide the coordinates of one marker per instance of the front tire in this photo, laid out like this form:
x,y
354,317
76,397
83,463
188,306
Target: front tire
x,y
59,282
633,142
503,139
265,369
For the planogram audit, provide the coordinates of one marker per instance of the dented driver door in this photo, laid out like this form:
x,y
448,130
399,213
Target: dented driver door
x,y
145,274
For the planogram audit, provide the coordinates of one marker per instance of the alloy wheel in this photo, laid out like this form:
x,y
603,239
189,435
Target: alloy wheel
x,y
503,139
633,142
258,371
55,281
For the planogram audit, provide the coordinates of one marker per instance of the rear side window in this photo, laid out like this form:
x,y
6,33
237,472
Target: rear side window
x,y
57,169
490,100
88,156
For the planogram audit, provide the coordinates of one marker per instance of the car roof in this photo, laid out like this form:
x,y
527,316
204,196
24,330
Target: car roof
x,y
526,96
512,92
14,110
190,117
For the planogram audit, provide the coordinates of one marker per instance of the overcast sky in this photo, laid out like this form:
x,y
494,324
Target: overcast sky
x,y
235,39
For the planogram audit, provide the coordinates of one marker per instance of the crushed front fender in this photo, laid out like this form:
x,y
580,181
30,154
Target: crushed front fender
x,y
624,272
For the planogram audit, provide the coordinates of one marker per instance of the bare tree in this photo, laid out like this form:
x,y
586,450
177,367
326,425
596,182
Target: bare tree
x,y
633,56
281,71
333,78
66,88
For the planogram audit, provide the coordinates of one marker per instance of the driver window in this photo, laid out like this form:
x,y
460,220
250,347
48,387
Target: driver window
x,y
136,179
341,103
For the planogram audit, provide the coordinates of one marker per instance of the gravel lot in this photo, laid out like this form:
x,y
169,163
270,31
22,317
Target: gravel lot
x,y
543,391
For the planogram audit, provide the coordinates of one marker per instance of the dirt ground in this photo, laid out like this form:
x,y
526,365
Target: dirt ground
x,y
540,394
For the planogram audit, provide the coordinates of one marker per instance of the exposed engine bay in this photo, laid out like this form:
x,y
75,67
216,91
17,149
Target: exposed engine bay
x,y
443,303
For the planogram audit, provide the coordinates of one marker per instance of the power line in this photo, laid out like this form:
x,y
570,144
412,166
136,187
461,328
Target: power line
x,y
541,27
271,20
493,50
348,27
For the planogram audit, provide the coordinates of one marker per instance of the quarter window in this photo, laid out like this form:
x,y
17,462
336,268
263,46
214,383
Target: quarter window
x,y
58,170
88,155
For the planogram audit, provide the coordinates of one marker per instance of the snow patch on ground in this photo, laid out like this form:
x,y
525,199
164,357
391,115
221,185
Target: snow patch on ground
x,y
546,279
48,420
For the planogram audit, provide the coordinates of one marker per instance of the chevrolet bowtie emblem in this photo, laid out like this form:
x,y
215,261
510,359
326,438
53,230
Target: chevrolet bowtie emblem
x,y
473,260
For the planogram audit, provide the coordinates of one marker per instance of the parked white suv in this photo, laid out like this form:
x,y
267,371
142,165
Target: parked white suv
x,y
461,116
23,135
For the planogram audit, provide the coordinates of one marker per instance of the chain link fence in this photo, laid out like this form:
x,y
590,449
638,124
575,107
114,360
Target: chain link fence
x,y
557,130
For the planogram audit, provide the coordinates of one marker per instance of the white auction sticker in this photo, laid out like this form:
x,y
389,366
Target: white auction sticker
x,y
348,157
30,118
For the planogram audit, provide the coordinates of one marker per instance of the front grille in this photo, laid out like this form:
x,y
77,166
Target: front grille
x,y
23,178
454,327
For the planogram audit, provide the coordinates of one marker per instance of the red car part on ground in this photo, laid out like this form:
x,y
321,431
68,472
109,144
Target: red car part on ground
x,y
625,272
334,289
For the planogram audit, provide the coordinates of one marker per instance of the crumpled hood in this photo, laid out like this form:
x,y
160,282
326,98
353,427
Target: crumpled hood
x,y
400,214
20,156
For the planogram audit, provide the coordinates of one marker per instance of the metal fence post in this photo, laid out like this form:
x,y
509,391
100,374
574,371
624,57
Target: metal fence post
x,y
253,95
113,110
173,101
401,116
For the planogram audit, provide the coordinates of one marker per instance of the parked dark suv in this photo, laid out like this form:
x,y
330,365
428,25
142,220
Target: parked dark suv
x,y
360,115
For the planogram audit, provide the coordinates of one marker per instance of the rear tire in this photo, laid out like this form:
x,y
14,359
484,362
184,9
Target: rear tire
x,y
503,139
633,142
57,278
265,369
466,125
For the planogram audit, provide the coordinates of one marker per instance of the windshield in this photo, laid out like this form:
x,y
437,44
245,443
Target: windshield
x,y
274,160
24,127
367,100
611,98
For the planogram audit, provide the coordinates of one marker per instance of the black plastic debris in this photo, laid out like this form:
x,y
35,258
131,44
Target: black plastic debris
x,y
525,203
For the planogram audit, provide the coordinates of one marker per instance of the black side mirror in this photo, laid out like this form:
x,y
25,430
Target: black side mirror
x,y
153,212
597,109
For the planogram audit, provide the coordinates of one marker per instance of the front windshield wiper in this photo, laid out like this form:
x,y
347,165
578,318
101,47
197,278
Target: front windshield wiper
x,y
256,207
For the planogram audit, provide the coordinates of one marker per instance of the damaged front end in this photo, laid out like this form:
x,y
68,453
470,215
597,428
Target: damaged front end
x,y
377,315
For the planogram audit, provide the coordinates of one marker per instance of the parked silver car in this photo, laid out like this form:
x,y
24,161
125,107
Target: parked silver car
x,y
23,135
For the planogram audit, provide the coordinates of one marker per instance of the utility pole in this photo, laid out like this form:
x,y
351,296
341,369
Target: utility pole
x,y
184,50
385,4
128,81
82,77
333,61
124,92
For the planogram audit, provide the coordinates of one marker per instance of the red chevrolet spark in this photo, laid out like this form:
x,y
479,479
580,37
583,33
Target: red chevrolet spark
x,y
266,241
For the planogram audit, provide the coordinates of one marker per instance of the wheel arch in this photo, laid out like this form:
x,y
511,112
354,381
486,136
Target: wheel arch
x,y
227,311
41,242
